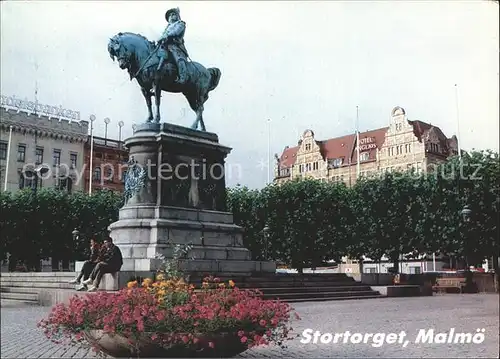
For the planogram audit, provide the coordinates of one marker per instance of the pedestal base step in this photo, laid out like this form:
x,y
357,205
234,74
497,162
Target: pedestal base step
x,y
202,266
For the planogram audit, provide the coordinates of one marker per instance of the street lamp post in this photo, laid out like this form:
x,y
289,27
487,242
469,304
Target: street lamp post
x,y
466,214
120,125
91,171
76,234
38,173
265,230
106,123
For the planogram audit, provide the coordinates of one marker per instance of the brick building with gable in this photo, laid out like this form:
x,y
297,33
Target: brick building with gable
x,y
404,144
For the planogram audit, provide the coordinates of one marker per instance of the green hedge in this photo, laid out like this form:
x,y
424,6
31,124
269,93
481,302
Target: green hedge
x,y
38,225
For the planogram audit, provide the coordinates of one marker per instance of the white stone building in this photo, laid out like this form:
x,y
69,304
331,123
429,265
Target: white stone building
x,y
43,138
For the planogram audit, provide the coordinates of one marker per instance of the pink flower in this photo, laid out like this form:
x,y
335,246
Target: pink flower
x,y
211,345
244,339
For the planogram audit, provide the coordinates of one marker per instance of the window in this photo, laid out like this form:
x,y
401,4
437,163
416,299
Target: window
x,y
308,146
399,126
433,147
365,156
56,157
283,172
308,167
415,270
97,174
39,155
3,150
29,179
73,157
408,148
65,184
335,163
21,153
370,270
315,166
109,174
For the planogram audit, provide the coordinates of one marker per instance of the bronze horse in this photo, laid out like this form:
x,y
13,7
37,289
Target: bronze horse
x,y
138,55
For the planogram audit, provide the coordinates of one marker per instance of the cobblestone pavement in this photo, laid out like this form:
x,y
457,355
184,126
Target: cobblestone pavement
x,y
21,339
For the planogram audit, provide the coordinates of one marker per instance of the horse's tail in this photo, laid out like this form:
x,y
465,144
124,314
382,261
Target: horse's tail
x,y
214,77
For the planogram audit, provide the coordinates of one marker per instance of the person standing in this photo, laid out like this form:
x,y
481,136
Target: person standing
x,y
88,265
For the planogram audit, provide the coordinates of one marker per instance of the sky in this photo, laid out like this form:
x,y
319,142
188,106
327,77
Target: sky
x,y
299,64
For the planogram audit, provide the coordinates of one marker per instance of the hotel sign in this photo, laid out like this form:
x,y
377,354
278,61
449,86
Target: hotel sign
x,y
11,102
367,143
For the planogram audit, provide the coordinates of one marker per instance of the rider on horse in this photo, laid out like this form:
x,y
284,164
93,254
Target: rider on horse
x,y
172,42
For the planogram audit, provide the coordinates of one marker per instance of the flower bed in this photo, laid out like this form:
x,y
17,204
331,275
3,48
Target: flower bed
x,y
169,318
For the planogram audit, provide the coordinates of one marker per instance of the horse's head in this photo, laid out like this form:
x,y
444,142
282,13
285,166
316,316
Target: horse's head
x,y
129,48
118,49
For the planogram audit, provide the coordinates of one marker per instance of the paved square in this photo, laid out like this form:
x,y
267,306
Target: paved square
x,y
21,339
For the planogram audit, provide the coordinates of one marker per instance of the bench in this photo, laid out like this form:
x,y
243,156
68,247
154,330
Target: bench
x,y
450,282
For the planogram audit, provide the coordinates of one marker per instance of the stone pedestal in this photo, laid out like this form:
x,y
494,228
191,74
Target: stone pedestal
x,y
179,198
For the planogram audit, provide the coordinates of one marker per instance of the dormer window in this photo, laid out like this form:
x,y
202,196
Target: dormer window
x,y
335,163
433,147
365,156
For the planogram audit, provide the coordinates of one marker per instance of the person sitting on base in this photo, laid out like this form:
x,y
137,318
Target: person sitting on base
x,y
111,262
88,265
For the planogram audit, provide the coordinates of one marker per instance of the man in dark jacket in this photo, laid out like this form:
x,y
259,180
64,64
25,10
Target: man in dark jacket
x,y
88,265
111,261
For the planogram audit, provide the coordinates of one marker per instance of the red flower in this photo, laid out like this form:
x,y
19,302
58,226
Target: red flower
x,y
132,311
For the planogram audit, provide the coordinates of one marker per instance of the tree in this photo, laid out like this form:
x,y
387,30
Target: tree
x,y
38,225
306,218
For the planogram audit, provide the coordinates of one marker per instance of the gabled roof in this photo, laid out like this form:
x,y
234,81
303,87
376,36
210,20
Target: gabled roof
x,y
339,147
344,146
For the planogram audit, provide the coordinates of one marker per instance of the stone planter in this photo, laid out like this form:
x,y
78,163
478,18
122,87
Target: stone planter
x,y
226,345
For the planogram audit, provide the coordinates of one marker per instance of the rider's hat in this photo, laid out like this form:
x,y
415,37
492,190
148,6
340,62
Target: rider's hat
x,y
174,10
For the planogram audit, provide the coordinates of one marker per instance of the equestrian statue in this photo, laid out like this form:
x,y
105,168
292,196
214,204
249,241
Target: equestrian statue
x,y
165,66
